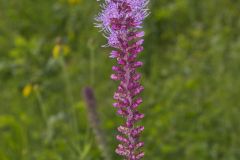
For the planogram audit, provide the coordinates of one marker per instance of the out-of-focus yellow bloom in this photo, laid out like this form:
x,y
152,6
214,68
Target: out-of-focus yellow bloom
x,y
59,49
66,50
27,90
74,2
56,51
36,87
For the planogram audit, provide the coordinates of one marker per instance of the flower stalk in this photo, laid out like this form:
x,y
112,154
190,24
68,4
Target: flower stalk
x,y
121,22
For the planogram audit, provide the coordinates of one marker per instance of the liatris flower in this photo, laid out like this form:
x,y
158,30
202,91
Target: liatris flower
x,y
121,21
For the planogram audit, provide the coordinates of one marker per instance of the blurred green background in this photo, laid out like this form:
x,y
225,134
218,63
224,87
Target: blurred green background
x,y
50,51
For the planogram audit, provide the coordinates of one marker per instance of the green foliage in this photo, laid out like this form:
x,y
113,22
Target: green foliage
x,y
50,51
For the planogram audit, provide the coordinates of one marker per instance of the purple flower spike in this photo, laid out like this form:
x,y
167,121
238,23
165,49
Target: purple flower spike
x,y
121,21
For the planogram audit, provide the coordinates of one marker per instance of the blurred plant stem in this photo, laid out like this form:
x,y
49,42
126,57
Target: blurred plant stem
x,y
92,60
41,104
69,92
95,122
59,52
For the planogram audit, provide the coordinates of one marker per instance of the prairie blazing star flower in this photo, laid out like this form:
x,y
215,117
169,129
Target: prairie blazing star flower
x,y
121,22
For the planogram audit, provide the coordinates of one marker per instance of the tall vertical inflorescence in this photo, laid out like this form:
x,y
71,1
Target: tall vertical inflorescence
x,y
121,22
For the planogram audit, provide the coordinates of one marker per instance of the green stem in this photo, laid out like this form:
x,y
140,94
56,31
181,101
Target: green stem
x,y
42,106
69,93
92,60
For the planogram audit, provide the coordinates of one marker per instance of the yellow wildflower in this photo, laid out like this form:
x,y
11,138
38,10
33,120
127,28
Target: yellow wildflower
x,y
56,51
74,2
59,49
66,50
36,87
27,90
